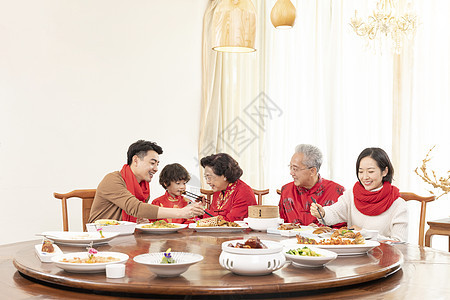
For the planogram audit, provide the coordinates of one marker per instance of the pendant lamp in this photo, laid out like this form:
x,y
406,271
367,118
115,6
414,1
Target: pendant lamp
x,y
283,14
234,26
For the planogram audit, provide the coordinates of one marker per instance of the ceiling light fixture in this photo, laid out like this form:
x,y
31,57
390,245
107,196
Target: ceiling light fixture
x,y
388,22
283,14
234,26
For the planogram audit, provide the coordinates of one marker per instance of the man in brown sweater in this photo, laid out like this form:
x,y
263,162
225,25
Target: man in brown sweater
x,y
128,190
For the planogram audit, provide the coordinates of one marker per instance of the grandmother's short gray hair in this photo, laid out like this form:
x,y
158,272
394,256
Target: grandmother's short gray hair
x,y
312,155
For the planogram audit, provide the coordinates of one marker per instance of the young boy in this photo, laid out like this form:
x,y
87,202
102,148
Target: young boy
x,y
173,178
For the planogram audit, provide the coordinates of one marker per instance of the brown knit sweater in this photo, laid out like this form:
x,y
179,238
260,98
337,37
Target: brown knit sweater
x,y
112,197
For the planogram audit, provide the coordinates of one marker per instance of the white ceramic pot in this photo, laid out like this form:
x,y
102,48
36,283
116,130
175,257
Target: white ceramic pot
x,y
261,224
252,261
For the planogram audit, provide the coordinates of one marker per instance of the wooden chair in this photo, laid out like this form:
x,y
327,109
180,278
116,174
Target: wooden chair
x,y
87,196
423,209
279,192
260,194
208,194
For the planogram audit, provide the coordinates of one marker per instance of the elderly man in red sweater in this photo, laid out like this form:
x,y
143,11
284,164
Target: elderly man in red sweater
x,y
308,186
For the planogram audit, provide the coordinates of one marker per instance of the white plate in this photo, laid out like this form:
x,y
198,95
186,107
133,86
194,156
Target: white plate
x,y
123,228
341,250
84,267
218,228
292,232
183,261
161,230
310,261
79,238
45,256
272,247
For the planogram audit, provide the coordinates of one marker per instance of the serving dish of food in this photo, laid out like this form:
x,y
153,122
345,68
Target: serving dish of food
x,y
217,224
252,257
84,262
168,264
290,229
160,227
342,246
79,238
308,256
47,250
109,225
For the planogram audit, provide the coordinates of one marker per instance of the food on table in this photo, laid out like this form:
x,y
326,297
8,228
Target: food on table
x,y
251,243
47,246
90,260
344,232
160,224
289,226
217,221
305,251
167,258
107,222
322,229
331,241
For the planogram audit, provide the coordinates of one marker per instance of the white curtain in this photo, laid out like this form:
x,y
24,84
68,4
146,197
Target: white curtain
x,y
231,105
333,93
326,88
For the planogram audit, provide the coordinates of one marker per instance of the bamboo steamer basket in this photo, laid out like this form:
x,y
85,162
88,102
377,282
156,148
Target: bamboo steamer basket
x,y
263,211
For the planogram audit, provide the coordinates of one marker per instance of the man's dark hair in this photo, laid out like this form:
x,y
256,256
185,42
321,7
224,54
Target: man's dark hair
x,y
223,164
140,148
173,173
382,159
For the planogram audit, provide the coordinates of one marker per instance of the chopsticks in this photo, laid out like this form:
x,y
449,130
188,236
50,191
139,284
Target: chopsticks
x,y
192,195
318,210
196,198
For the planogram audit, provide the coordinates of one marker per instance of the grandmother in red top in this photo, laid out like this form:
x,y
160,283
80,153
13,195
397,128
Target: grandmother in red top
x,y
297,196
232,196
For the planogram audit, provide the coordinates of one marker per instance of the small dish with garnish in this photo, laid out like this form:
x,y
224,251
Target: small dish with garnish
x,y
168,264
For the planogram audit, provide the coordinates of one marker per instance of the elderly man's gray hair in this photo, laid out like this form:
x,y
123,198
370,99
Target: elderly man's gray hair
x,y
312,155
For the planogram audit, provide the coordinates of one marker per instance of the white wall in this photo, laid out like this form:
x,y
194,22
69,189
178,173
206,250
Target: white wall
x,y
79,82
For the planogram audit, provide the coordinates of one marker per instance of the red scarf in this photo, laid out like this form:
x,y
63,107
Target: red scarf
x,y
139,190
374,203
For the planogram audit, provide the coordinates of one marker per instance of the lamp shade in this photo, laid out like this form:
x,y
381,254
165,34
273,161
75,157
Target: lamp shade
x,y
234,26
283,14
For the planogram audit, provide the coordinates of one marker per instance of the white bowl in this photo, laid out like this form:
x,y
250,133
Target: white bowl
x,y
243,261
310,261
183,261
261,224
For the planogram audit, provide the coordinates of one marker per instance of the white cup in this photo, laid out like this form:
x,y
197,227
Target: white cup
x,y
115,270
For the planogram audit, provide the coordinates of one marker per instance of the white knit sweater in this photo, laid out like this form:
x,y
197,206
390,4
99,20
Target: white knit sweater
x,y
392,224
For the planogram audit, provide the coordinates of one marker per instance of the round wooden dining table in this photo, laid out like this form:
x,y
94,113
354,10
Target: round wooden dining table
x,y
376,273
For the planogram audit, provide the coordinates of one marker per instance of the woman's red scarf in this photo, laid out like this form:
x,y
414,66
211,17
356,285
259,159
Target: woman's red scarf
x,y
139,190
374,203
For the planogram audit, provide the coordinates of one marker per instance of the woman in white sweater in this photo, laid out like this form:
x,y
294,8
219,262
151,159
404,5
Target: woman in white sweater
x,y
373,203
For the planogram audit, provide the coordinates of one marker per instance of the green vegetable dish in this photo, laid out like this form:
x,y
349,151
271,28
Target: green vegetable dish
x,y
305,251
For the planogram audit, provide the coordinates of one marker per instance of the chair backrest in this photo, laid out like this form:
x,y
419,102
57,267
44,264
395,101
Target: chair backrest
x,y
87,197
423,210
260,194
279,192
208,194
